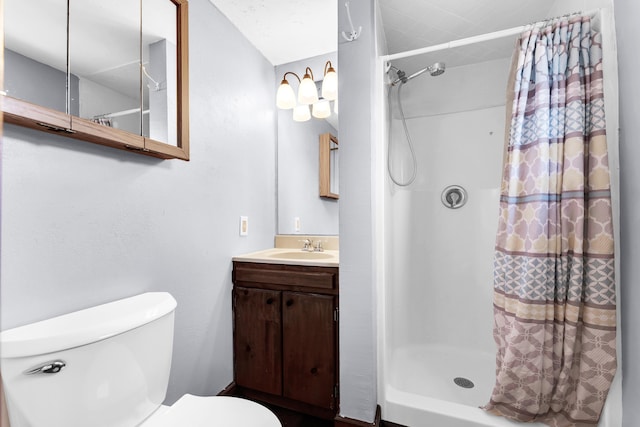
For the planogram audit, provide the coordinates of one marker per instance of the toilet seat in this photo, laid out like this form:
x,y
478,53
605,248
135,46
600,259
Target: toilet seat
x,y
207,411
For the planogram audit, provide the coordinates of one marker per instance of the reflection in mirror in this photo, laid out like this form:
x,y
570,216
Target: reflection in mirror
x,y
35,53
333,166
104,50
328,166
159,67
300,208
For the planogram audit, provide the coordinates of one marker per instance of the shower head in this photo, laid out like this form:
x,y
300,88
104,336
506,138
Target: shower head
x,y
435,70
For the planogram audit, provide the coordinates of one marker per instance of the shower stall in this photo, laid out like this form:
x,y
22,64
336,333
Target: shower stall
x,y
436,353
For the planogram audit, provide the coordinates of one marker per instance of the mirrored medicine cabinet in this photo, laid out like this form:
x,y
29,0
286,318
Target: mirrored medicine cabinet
x,y
329,166
111,72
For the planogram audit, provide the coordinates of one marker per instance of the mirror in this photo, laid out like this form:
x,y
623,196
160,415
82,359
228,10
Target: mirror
x,y
328,166
105,55
301,210
159,71
118,76
35,54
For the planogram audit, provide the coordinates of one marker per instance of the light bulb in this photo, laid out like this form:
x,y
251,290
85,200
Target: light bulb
x,y
307,92
321,109
301,113
285,97
330,85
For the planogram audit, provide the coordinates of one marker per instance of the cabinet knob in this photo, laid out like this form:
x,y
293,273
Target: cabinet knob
x,y
314,370
270,301
289,303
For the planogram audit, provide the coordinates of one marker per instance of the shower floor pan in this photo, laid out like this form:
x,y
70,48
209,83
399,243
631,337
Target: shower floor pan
x,y
422,390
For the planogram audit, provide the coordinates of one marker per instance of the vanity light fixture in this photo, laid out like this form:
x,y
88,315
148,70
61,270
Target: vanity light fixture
x,y
308,94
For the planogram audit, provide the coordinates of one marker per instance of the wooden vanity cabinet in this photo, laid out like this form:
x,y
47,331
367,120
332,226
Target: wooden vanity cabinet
x,y
285,335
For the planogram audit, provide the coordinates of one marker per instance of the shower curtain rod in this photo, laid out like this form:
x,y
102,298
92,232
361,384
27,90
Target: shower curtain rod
x,y
474,39
120,113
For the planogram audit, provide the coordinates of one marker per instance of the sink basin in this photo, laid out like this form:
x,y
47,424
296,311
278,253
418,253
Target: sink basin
x,y
292,256
300,255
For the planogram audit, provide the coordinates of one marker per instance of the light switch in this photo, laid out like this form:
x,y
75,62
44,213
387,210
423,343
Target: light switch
x,y
244,225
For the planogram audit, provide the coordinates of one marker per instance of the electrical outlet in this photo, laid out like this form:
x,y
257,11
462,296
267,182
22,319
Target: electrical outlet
x,y
244,225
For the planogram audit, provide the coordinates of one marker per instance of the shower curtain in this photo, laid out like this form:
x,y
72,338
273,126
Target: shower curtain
x,y
554,288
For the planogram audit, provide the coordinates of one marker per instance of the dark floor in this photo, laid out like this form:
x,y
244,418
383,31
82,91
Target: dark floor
x,y
294,419
289,418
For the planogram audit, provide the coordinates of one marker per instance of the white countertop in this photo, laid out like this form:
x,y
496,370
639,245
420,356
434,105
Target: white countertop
x,y
292,256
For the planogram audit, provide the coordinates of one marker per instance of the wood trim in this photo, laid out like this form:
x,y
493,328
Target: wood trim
x,y
340,421
165,150
183,78
105,135
325,165
23,113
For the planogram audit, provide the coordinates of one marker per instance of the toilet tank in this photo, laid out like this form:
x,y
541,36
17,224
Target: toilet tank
x,y
116,358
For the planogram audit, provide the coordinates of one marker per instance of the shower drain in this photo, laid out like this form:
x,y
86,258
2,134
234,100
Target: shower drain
x,y
463,382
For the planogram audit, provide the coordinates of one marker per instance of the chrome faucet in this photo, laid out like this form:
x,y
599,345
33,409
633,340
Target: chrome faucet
x,y
308,245
318,247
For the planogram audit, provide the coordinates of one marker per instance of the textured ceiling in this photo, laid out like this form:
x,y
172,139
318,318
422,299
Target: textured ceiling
x,y
290,30
285,30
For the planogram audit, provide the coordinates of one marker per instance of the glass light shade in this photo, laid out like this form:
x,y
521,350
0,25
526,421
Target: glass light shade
x,y
307,92
321,109
285,97
301,113
330,85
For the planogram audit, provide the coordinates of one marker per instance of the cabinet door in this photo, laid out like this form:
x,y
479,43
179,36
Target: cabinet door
x,y
258,339
309,348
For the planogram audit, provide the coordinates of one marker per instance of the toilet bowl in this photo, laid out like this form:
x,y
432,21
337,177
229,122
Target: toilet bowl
x,y
108,366
198,411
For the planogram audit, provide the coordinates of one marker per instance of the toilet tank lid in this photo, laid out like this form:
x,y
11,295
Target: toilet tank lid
x,y
85,326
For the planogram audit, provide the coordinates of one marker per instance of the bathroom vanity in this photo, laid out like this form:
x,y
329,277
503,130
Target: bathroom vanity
x,y
285,336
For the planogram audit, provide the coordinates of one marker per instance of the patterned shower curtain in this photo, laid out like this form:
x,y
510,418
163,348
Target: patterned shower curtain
x,y
554,288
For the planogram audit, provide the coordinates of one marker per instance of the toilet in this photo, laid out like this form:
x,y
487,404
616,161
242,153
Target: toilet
x,y
108,366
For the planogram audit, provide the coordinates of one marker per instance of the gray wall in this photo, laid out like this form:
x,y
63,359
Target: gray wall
x,y
298,161
358,393
627,13
84,224
38,83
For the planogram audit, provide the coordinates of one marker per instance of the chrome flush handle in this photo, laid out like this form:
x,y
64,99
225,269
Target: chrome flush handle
x,y
48,368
